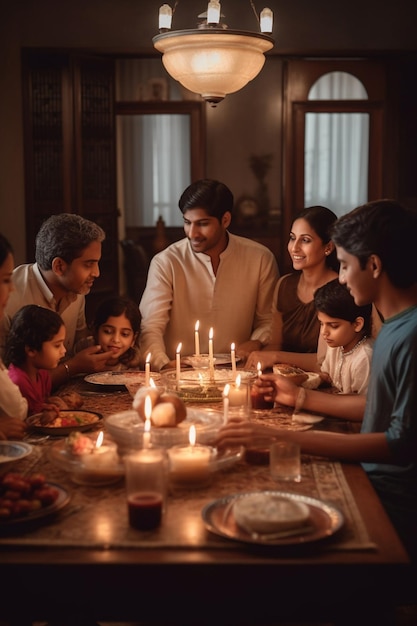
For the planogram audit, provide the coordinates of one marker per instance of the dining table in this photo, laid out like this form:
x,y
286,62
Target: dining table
x,y
85,559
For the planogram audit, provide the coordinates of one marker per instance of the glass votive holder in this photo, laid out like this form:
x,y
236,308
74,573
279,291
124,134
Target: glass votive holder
x,y
200,361
146,487
190,466
239,400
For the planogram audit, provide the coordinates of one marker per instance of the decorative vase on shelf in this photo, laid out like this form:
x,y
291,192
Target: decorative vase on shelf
x,y
260,166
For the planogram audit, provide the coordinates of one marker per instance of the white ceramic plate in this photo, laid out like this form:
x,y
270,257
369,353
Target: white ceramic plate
x,y
11,451
109,379
325,520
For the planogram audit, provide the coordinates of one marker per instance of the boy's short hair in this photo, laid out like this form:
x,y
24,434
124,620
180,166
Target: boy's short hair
x,y
387,229
65,235
335,300
211,195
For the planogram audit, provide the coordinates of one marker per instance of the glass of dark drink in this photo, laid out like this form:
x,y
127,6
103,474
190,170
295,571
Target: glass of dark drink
x,y
146,483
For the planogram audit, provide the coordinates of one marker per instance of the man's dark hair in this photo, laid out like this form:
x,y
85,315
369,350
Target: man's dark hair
x,y
211,195
385,228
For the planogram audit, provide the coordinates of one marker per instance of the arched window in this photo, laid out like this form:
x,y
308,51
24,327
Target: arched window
x,y
336,147
334,136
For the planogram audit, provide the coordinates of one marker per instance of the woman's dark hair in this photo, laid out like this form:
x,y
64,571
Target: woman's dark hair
x,y
30,327
384,228
335,300
114,307
5,249
211,195
321,220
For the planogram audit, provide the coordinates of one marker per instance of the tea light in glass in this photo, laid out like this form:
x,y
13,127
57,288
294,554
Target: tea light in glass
x,y
189,465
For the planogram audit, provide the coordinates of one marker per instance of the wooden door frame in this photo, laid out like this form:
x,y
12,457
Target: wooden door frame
x,y
300,75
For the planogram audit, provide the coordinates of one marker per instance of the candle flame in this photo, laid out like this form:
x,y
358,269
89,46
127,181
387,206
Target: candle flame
x,y
211,333
99,439
226,390
192,435
148,358
232,347
148,407
179,346
238,380
259,368
197,325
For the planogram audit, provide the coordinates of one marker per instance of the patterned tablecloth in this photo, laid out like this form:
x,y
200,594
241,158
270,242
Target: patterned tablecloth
x,y
97,516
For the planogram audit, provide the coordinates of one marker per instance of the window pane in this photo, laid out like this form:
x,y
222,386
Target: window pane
x,y
336,160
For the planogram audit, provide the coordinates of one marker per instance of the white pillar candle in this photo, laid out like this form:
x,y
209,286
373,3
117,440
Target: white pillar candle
x,y
178,361
147,427
233,358
226,402
147,369
238,394
197,338
101,456
189,465
211,355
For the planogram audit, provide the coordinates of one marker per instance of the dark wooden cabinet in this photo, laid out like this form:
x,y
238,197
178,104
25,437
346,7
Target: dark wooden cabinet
x,y
69,127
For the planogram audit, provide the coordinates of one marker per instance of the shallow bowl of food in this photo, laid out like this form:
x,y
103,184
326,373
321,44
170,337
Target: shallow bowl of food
x,y
127,429
12,451
295,374
202,386
65,423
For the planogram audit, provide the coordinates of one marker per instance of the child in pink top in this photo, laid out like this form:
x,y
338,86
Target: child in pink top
x,y
35,345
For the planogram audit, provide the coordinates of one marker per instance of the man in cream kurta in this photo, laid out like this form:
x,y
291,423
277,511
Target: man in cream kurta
x,y
223,281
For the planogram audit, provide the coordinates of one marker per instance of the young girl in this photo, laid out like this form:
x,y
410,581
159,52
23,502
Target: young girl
x,y
346,328
13,406
34,346
116,327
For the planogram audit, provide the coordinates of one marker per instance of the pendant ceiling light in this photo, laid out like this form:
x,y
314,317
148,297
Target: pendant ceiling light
x,y
213,60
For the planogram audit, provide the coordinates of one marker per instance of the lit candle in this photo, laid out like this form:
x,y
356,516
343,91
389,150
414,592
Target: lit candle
x,y
197,338
266,21
101,456
147,369
165,17
213,12
190,465
238,394
178,361
226,402
233,358
147,426
259,368
211,355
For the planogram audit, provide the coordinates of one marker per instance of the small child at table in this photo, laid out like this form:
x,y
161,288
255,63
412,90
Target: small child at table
x,y
116,327
346,328
13,406
34,346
